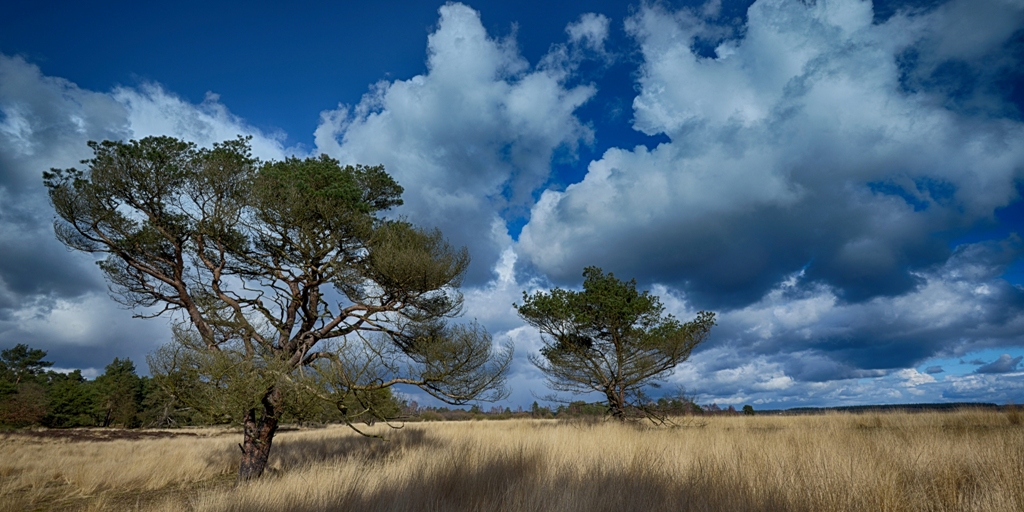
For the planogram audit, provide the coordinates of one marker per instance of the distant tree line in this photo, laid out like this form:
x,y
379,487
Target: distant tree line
x,y
32,394
664,407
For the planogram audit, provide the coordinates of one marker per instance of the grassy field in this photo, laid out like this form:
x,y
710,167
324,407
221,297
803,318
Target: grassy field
x,y
965,460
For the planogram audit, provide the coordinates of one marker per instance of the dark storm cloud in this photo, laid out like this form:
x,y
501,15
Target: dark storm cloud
x,y
1004,364
86,332
820,368
135,343
763,381
45,123
862,250
959,306
40,265
801,344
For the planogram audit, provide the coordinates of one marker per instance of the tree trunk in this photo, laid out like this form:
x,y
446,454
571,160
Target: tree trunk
x,y
615,403
258,437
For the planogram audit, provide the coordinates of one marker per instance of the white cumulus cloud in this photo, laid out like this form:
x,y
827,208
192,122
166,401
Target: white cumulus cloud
x,y
473,137
798,144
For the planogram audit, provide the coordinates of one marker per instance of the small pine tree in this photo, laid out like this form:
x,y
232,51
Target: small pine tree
x,y
120,394
72,401
22,380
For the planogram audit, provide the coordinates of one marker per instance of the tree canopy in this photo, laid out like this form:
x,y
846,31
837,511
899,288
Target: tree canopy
x,y
287,280
609,338
23,363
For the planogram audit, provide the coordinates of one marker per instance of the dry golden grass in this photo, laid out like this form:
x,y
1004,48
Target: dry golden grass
x,y
967,460
55,472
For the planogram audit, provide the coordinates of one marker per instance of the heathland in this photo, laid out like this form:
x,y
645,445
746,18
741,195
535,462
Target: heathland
x,y
961,460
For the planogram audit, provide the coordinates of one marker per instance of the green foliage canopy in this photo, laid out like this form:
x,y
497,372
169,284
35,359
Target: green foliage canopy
x,y
285,273
120,393
609,338
21,363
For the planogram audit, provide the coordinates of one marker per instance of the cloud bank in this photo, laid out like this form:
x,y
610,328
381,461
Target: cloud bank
x,y
826,175
821,169
801,144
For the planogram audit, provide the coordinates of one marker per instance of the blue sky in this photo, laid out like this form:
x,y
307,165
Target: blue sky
x,y
839,180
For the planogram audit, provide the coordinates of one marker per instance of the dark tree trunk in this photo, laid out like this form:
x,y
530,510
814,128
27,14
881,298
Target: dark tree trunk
x,y
259,432
618,413
617,405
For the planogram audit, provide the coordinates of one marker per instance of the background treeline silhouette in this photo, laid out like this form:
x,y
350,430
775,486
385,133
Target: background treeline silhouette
x,y
32,394
664,406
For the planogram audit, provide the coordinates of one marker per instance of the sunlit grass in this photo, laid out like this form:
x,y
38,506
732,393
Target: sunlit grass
x,y
966,460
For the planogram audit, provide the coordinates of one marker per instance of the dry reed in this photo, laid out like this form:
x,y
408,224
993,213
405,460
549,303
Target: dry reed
x,y
965,460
